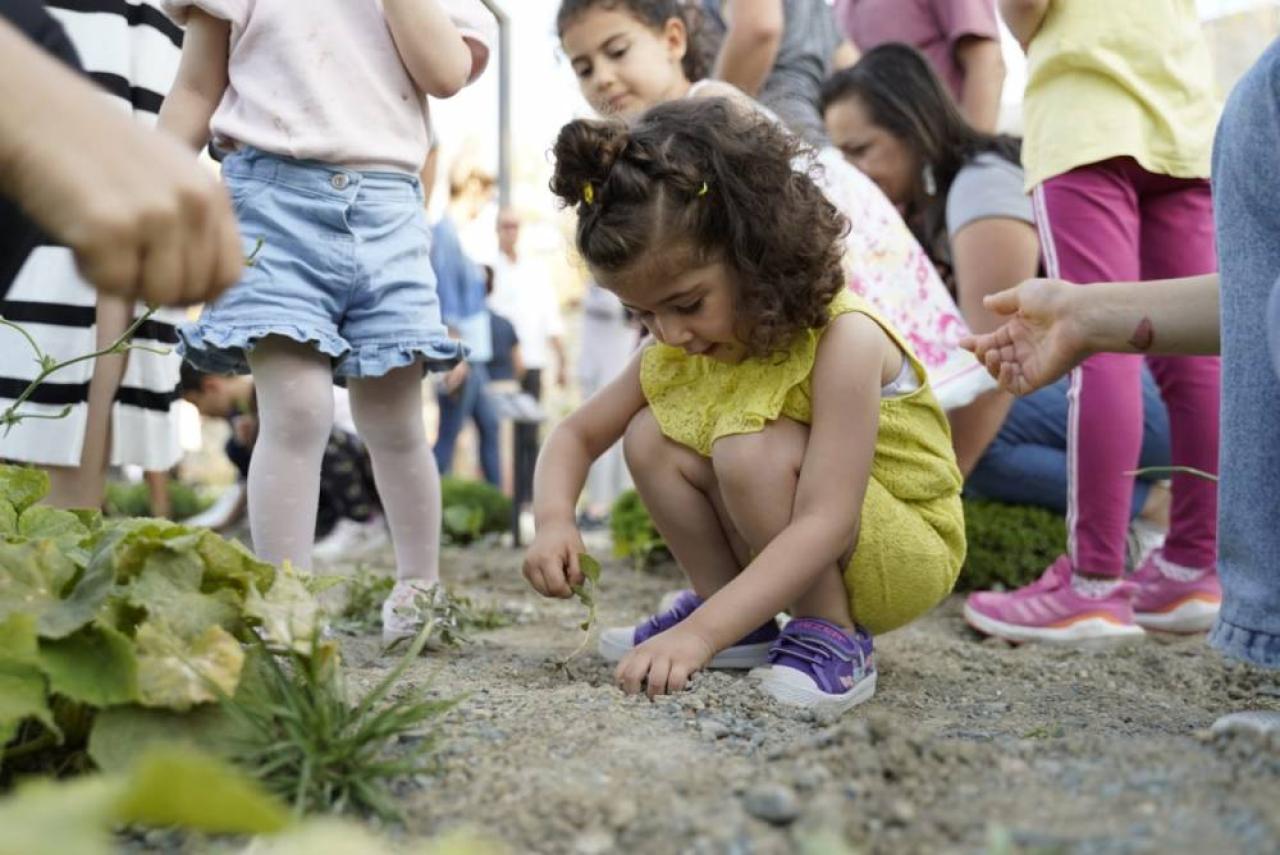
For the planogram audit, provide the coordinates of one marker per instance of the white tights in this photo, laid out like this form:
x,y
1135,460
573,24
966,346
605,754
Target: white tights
x,y
295,416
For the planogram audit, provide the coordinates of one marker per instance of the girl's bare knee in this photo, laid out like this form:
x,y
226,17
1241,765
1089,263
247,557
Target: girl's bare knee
x,y
764,458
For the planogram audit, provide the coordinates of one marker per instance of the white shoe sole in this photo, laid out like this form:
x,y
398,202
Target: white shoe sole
x,y
791,687
617,642
1189,616
1084,629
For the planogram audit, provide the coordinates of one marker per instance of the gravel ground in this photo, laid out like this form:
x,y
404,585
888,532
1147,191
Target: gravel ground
x,y
969,745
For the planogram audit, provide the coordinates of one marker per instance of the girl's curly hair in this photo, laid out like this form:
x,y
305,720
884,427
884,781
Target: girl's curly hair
x,y
698,55
714,177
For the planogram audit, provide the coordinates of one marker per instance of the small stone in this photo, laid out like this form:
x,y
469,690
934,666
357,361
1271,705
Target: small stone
x,y
1253,722
622,813
593,843
713,730
902,812
772,803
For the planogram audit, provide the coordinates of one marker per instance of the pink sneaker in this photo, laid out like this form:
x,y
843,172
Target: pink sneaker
x,y
1049,609
1175,605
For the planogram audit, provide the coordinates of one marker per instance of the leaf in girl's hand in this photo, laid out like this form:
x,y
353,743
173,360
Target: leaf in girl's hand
x,y
586,594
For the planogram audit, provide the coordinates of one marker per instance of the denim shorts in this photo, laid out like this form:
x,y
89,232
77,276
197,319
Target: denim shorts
x,y
341,263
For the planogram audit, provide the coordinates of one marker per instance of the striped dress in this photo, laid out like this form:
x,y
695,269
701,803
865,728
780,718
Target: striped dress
x,y
132,50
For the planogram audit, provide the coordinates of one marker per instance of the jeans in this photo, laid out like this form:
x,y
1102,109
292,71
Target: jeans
x,y
1246,169
1026,464
470,401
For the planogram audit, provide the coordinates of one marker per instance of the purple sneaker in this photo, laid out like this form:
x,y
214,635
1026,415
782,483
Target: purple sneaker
x,y
818,665
751,651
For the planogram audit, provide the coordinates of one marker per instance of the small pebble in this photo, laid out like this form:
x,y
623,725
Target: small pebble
x,y
772,803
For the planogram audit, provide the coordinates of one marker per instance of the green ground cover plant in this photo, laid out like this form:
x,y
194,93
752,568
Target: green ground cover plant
x,y
472,509
134,500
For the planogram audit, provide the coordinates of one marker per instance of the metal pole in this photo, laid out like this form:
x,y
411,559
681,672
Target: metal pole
x,y
504,102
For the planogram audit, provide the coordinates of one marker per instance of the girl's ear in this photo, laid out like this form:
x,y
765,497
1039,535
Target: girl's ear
x,y
676,37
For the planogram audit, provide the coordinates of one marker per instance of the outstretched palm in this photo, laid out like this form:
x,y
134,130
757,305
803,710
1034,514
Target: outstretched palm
x,y
1040,342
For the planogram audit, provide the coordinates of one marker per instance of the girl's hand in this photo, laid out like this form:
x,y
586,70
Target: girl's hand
x,y
664,663
551,563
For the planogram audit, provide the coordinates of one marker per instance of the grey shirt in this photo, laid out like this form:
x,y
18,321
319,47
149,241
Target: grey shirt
x,y
809,38
988,186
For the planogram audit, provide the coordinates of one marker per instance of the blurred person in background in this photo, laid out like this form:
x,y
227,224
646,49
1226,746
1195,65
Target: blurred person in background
x,y
959,38
524,293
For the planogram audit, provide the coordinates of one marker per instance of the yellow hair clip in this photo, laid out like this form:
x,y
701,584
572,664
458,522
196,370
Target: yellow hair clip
x,y
588,193
702,191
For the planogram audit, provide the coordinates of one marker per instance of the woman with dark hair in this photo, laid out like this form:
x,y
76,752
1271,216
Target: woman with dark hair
x,y
961,191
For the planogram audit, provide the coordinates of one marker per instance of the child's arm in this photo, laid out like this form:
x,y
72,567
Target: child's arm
x,y
751,43
551,564
201,80
847,378
436,55
1023,17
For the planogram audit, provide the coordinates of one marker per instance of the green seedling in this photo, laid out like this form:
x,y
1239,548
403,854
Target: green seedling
x,y
586,594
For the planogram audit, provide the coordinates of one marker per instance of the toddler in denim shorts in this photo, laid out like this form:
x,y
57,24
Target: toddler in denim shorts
x,y
322,108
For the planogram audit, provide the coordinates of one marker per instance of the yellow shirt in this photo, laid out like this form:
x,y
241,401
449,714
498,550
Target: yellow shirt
x,y
1110,78
696,400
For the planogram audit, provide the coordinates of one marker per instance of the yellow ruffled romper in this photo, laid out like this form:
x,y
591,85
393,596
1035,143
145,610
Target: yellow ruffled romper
x,y
911,538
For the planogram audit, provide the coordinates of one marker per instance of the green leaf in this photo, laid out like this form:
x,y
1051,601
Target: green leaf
x,y
227,564
173,785
45,817
122,734
289,615
90,518
178,674
8,518
589,567
63,527
18,639
22,686
22,696
95,665
168,589
35,575
82,603
23,487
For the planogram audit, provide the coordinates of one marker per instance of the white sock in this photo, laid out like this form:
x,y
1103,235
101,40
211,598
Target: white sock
x,y
388,415
1093,587
1176,572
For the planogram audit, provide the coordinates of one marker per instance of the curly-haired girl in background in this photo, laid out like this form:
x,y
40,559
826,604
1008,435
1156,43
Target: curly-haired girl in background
x,y
783,437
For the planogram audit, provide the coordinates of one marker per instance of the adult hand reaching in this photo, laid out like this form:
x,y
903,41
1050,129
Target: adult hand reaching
x,y
141,215
1041,341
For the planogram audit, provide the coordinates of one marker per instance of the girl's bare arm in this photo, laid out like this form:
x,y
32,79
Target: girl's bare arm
x,y
436,55
201,80
847,378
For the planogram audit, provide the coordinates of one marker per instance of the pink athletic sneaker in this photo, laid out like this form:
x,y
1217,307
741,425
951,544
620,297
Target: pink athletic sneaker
x,y
1188,604
1049,609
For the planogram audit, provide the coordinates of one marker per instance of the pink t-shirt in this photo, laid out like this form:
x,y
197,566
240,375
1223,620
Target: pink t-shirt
x,y
932,26
322,80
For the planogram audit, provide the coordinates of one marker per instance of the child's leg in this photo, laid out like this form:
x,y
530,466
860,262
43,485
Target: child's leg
x,y
1177,240
679,489
758,474
1089,229
388,414
295,414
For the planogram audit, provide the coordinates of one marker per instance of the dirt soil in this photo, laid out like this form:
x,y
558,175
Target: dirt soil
x,y
969,745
